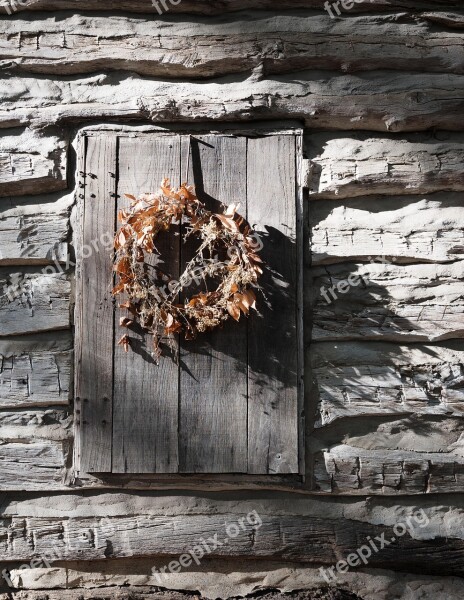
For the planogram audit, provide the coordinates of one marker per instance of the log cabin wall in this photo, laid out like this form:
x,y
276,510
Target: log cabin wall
x,y
379,92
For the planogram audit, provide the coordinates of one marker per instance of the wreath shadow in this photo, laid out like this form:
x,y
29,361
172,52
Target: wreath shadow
x,y
253,346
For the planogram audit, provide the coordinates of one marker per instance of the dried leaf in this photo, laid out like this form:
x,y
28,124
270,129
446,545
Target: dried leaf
x,y
128,306
118,288
231,210
123,266
228,223
125,342
234,310
125,322
249,298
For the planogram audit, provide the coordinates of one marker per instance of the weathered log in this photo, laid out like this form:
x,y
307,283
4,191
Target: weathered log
x,y
347,470
75,44
34,232
222,6
31,163
377,100
355,379
408,229
106,593
106,580
34,379
35,425
360,165
32,302
33,466
391,302
454,20
315,540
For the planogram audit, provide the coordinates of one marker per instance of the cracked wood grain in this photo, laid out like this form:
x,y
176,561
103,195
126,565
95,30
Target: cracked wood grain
x,y
379,100
76,44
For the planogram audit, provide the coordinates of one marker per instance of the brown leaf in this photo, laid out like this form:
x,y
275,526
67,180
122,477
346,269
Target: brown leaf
x,y
249,299
125,342
125,322
118,288
239,300
128,306
234,310
131,197
123,266
228,223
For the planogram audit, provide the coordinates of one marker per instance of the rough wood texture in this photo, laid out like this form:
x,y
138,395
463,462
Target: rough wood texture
x,y
355,379
214,369
409,229
68,45
31,163
274,339
34,232
379,100
225,408
224,6
94,307
32,302
146,396
454,20
34,379
311,539
360,165
27,425
348,470
100,580
106,593
391,302
32,466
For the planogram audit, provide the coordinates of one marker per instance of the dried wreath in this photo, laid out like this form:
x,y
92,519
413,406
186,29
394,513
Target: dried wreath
x,y
153,296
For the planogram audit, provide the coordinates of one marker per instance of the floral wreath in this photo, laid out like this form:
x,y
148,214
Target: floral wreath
x,y
153,295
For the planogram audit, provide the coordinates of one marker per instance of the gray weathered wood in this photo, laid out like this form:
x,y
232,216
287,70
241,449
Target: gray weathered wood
x,y
34,379
146,395
48,425
31,302
31,163
213,394
34,232
274,337
410,229
449,19
317,540
347,470
207,8
94,307
77,44
361,165
355,379
387,301
379,101
32,466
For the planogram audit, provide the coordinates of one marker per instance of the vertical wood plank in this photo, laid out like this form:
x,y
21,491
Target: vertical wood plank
x,y
94,317
273,339
145,421
213,381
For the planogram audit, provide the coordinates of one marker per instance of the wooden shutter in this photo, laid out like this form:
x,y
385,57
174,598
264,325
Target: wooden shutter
x,y
233,402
